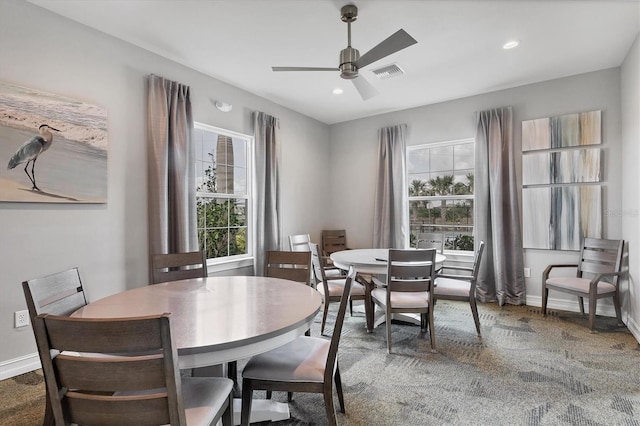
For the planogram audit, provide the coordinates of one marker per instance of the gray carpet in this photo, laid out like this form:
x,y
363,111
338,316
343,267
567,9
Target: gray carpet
x,y
526,370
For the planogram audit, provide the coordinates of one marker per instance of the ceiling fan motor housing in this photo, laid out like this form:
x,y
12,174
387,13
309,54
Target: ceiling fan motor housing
x,y
348,57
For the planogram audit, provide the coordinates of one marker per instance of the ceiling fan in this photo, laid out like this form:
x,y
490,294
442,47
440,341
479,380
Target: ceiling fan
x,y
350,59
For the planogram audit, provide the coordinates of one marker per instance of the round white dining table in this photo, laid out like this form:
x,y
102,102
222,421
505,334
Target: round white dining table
x,y
368,261
219,319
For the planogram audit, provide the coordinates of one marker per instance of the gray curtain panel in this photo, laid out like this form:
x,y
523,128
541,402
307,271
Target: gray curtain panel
x,y
266,186
501,275
171,168
390,212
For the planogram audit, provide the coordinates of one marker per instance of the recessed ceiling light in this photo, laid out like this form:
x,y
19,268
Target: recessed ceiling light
x,y
338,91
510,44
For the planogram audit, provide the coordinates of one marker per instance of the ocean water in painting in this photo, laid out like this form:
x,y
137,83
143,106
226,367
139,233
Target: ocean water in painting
x,y
74,168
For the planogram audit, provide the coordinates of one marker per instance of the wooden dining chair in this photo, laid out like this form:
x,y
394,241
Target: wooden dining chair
x,y
58,294
597,276
289,265
409,288
307,364
333,240
460,286
331,288
141,385
178,266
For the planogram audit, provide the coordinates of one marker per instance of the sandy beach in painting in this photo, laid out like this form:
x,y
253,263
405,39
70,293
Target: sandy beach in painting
x,y
74,168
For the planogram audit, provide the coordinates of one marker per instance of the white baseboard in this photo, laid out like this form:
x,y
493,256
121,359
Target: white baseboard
x,y
17,366
571,305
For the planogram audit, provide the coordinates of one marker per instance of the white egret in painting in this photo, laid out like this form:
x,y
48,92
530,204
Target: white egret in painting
x,y
31,149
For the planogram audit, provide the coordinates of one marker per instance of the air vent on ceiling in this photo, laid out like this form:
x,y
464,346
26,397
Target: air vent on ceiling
x,y
388,71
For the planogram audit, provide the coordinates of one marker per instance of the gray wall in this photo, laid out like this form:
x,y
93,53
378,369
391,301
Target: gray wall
x,y
109,242
630,75
354,149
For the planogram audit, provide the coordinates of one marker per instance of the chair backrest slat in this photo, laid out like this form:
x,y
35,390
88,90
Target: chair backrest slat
x,y
288,265
333,240
411,270
299,242
600,256
178,266
58,294
139,385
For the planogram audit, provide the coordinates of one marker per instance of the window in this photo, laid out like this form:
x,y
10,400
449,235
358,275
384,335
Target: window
x,y
223,192
440,185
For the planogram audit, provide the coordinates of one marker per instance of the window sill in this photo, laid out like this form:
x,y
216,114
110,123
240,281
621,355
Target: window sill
x,y
214,266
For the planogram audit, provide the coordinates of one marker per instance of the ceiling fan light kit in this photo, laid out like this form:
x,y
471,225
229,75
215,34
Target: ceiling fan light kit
x,y
351,61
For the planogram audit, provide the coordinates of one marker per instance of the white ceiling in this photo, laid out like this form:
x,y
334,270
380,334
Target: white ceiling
x,y
459,51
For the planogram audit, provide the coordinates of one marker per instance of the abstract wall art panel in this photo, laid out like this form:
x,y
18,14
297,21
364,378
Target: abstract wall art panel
x,y
536,217
563,131
53,148
536,168
559,218
568,166
536,134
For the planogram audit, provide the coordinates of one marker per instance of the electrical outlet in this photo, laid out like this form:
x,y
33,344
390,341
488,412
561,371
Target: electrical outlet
x,y
527,272
21,318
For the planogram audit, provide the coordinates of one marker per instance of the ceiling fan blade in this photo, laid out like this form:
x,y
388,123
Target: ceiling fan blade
x,y
303,69
364,88
395,42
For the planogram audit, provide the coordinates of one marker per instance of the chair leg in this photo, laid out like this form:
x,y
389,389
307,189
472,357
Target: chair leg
x,y
432,332
350,307
388,325
247,395
423,323
324,316
232,373
474,312
328,403
616,304
289,396
581,303
545,296
592,313
227,416
339,388
269,394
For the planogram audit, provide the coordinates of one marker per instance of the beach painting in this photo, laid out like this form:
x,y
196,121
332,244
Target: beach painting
x,y
53,149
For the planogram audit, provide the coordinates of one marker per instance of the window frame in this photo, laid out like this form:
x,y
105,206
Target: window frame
x,y
431,198
217,264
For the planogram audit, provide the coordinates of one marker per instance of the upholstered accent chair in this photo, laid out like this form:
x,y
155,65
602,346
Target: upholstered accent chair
x,y
598,271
